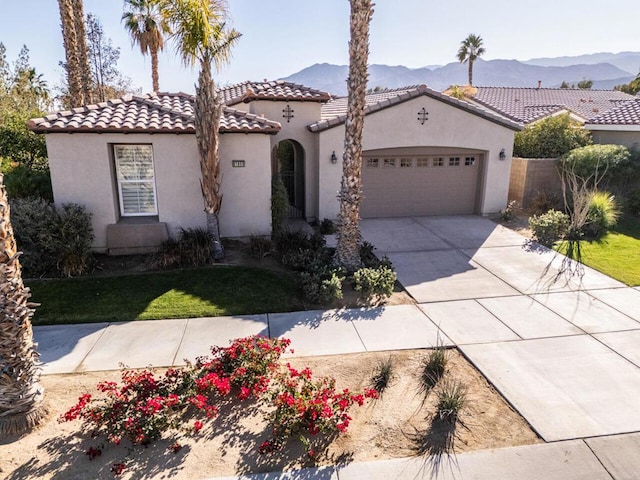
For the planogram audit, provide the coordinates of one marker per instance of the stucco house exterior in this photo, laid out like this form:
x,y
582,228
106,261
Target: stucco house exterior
x,y
133,162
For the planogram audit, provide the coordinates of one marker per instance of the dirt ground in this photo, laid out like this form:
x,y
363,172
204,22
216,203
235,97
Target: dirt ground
x,y
401,423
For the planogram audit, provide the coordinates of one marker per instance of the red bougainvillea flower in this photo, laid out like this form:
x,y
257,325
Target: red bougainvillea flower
x,y
118,468
197,426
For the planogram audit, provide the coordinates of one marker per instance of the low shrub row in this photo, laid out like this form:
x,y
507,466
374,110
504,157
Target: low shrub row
x,y
322,280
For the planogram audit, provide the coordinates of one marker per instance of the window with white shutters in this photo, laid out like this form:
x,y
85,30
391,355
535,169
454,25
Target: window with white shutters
x,y
136,180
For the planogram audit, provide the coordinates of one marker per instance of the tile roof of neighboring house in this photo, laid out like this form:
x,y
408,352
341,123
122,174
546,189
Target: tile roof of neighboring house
x,y
277,90
335,112
526,105
151,113
627,113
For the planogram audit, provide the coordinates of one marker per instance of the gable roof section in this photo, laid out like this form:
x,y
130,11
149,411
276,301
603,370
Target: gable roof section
x,y
334,113
627,115
526,105
151,113
277,90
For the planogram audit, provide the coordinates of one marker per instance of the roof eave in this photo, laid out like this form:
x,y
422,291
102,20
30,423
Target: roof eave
x,y
613,127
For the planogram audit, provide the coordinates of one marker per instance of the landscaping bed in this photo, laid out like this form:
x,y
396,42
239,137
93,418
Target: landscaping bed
x,y
401,423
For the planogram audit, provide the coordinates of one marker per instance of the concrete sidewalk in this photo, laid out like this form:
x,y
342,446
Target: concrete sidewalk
x,y
563,352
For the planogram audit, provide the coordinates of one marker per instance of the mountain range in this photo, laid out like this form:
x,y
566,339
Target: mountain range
x,y
606,70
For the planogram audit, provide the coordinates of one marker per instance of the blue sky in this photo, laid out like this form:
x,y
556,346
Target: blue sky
x,y
281,37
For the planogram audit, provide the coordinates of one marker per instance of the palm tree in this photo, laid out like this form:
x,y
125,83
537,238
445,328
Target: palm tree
x,y
21,396
470,50
83,55
70,39
348,235
200,34
147,28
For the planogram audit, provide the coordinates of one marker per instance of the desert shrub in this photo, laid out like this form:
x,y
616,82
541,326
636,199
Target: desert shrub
x,y
327,227
293,240
382,375
323,286
434,367
279,204
53,241
602,215
374,282
452,398
259,246
70,238
369,258
508,213
599,164
550,137
307,259
191,248
549,227
543,201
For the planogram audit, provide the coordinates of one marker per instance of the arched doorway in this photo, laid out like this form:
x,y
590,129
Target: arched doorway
x,y
287,160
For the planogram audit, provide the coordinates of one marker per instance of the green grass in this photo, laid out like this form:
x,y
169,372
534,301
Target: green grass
x,y
202,292
617,253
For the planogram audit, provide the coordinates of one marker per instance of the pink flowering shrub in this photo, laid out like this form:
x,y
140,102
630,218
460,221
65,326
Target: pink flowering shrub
x,y
144,406
305,407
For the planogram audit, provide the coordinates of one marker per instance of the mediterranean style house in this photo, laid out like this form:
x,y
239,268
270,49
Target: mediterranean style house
x,y
133,162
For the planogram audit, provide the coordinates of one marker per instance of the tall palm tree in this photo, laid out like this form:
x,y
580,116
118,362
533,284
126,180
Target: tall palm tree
x,y
470,50
83,55
21,396
70,39
147,28
348,235
201,36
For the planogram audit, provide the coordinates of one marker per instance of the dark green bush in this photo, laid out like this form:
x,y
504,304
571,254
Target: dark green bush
x,y
374,282
602,163
632,205
327,227
279,205
53,241
549,227
322,287
551,137
191,248
259,246
293,240
23,181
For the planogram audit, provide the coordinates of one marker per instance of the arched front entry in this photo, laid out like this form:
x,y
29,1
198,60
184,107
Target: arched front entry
x,y
287,160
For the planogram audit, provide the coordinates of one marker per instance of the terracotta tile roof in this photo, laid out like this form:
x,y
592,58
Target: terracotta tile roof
x,y
526,105
275,90
627,113
152,113
335,112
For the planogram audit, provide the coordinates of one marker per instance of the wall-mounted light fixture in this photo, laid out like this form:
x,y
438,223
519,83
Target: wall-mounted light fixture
x,y
334,159
503,155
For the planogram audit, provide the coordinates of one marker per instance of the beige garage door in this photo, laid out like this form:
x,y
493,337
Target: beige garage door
x,y
396,186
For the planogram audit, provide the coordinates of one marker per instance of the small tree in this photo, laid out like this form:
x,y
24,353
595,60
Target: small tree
x,y
585,84
632,88
550,137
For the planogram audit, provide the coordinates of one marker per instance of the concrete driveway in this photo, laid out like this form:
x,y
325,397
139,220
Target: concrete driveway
x,y
562,349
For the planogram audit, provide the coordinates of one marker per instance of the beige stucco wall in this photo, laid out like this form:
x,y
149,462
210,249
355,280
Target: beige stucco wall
x,y
629,139
82,171
304,113
398,127
532,176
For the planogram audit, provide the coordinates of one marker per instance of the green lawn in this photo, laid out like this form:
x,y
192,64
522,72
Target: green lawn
x,y
203,292
617,253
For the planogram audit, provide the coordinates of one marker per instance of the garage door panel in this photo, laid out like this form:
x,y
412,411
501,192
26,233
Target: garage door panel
x,y
449,187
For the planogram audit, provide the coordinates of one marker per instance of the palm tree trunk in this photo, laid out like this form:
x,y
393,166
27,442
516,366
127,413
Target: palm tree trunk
x,y
470,72
208,111
83,57
70,39
155,78
350,196
21,396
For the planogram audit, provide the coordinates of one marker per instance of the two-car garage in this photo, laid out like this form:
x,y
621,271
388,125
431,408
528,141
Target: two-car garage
x,y
416,182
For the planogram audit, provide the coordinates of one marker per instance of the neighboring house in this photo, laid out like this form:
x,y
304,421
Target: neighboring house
x,y
618,126
528,105
134,162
